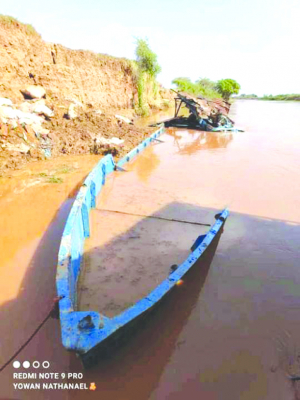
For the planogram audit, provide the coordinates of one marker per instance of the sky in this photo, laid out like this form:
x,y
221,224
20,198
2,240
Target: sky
x,y
255,42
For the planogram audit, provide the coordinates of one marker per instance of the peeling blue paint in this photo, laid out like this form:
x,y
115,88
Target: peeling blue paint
x,y
83,331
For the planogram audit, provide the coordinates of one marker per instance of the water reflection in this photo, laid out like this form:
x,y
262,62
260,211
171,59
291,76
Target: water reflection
x,y
146,164
190,141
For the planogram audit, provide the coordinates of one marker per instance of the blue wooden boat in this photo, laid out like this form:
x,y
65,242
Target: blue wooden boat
x,y
89,333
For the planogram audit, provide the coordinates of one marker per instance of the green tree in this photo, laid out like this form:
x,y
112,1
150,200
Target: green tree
x,y
146,58
184,85
227,87
206,83
202,87
148,69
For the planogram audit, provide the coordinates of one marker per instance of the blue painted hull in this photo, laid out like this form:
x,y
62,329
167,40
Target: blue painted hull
x,y
89,333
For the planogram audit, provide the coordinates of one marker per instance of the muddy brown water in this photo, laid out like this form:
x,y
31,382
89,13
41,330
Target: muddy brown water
x,y
231,331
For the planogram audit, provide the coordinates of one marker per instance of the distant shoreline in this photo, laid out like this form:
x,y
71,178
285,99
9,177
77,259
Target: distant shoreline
x,y
279,97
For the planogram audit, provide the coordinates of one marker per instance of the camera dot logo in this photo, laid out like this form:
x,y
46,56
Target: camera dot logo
x,y
16,364
26,364
46,364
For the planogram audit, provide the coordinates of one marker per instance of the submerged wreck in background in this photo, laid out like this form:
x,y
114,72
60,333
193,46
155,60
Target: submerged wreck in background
x,y
204,114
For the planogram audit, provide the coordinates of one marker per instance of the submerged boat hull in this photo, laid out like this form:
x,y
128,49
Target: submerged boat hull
x,y
89,333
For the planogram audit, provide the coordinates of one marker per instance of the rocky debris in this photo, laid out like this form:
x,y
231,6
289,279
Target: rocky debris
x,y
22,133
43,110
125,119
39,130
35,130
7,113
74,108
103,145
72,112
5,102
114,140
77,102
26,107
21,148
10,114
34,92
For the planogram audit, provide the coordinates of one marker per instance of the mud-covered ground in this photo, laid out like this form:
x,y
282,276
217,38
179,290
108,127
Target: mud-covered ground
x,y
67,136
80,135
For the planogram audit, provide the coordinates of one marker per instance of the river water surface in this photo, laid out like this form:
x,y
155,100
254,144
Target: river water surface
x,y
232,330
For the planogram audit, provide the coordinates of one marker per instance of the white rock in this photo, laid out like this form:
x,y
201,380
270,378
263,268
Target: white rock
x,y
44,110
39,101
26,107
39,130
29,119
72,111
13,123
121,118
21,148
34,92
8,112
99,112
77,102
5,102
113,140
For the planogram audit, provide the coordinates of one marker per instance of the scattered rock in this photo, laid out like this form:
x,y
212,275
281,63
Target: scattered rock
x,y
34,92
71,114
26,107
8,113
5,102
43,110
13,123
38,129
77,102
20,148
114,141
125,119
29,118
23,134
40,102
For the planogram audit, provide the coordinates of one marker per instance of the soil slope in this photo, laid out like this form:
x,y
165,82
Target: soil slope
x,y
26,59
101,84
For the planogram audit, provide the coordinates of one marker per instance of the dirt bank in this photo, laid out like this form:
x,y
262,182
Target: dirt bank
x,y
87,88
104,81
88,133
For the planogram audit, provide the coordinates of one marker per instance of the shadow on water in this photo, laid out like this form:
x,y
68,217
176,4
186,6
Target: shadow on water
x,y
133,370
21,316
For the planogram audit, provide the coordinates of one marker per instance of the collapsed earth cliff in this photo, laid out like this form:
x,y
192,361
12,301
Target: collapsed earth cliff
x,y
98,86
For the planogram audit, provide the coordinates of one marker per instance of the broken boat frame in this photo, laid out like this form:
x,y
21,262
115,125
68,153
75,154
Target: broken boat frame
x,y
89,333
217,121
